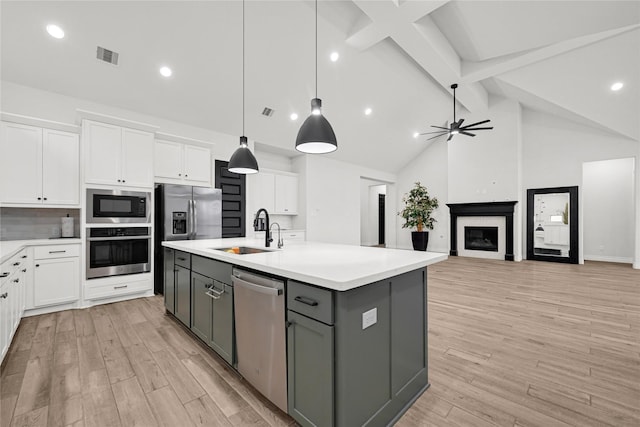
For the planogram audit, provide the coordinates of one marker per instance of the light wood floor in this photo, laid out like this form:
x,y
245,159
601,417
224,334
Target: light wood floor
x,y
513,344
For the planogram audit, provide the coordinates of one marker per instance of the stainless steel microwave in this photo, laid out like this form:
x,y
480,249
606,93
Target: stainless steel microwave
x,y
118,206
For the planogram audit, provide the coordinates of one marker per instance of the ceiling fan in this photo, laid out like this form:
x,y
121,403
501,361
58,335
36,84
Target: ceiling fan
x,y
456,126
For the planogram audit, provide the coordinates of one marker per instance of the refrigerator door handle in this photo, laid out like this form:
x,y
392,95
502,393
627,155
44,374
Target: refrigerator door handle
x,y
189,219
194,211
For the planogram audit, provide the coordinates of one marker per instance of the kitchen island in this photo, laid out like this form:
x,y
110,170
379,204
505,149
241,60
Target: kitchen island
x,y
355,319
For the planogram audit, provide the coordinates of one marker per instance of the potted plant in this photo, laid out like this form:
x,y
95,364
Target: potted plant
x,y
418,207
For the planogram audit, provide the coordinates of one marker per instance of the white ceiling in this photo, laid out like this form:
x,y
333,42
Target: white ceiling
x,y
397,57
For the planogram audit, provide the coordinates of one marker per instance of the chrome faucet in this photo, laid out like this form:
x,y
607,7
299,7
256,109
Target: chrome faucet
x,y
267,234
280,241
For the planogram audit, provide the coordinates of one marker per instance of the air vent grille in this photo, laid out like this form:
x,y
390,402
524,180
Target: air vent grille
x,y
107,55
268,111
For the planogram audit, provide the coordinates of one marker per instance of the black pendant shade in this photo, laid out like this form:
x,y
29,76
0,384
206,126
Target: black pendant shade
x,y
316,135
243,161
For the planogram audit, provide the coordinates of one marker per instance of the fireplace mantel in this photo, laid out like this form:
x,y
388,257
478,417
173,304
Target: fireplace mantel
x,y
504,209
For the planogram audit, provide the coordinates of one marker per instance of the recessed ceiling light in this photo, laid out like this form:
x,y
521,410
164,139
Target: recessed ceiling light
x,y
55,31
293,116
166,71
617,86
334,56
368,111
416,134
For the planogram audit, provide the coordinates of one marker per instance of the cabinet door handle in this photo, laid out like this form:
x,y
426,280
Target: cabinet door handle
x,y
185,175
39,198
3,296
120,287
24,270
119,181
23,256
16,280
179,174
307,301
124,180
3,275
37,265
57,252
15,264
182,259
45,198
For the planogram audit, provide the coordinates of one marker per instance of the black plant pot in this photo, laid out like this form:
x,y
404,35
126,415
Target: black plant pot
x,y
419,240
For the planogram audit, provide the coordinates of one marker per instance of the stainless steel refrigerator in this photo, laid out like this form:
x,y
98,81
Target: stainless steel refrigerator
x,y
183,212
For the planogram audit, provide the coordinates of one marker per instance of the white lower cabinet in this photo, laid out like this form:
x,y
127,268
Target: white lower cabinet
x,y
12,298
56,278
117,286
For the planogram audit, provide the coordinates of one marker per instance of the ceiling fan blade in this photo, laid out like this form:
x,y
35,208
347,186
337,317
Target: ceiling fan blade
x,y
467,133
477,128
434,137
450,136
439,131
460,122
439,127
478,123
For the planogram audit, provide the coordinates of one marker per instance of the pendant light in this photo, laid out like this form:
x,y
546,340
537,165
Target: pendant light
x,y
316,135
243,161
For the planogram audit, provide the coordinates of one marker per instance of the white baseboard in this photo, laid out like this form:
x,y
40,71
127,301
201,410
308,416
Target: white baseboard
x,y
622,260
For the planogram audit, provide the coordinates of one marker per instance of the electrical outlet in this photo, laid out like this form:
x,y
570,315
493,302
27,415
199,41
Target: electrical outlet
x,y
369,318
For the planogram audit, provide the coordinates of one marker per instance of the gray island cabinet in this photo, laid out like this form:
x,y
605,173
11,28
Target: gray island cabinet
x,y
356,350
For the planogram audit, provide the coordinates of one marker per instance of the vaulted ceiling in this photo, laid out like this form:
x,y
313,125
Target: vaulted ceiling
x,y
396,57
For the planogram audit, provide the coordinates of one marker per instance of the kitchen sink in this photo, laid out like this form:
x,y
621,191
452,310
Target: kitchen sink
x,y
242,250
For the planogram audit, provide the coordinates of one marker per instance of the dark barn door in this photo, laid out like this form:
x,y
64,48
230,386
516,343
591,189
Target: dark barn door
x,y
381,219
233,200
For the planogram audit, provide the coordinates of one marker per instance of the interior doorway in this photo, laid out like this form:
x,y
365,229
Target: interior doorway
x,y
373,217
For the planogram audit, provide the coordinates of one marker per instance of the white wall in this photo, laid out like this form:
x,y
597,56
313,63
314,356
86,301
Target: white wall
x,y
430,169
608,210
332,199
554,151
369,191
484,168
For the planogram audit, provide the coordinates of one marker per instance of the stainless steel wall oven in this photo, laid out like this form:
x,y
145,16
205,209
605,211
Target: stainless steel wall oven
x,y
115,251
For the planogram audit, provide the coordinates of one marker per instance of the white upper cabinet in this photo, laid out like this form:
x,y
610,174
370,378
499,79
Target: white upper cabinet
x,y
265,191
117,156
39,166
60,168
178,163
277,192
286,194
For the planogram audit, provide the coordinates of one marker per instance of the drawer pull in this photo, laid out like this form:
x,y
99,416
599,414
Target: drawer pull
x,y
15,264
3,296
182,259
24,270
307,301
57,252
211,294
3,275
23,256
16,280
120,287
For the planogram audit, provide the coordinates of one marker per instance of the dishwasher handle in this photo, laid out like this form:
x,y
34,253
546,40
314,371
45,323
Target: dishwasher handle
x,y
256,288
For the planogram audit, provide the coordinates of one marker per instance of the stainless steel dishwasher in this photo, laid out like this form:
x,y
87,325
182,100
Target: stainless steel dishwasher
x,y
261,334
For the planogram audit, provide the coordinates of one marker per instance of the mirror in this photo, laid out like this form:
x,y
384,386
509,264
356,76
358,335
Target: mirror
x,y
552,224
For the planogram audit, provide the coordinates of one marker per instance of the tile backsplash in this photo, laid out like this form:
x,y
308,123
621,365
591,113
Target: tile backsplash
x,y
35,223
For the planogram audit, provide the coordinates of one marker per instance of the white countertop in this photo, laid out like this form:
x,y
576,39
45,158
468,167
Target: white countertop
x,y
9,248
331,266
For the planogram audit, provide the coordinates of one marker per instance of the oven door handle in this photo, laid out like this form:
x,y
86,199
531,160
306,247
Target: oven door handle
x,y
107,239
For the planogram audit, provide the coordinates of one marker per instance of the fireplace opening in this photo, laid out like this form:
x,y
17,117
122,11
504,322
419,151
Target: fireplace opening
x,y
481,238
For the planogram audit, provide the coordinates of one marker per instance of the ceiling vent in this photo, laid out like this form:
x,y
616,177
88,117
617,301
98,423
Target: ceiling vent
x,y
107,55
268,111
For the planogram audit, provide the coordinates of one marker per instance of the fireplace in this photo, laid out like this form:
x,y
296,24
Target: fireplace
x,y
495,219
481,239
